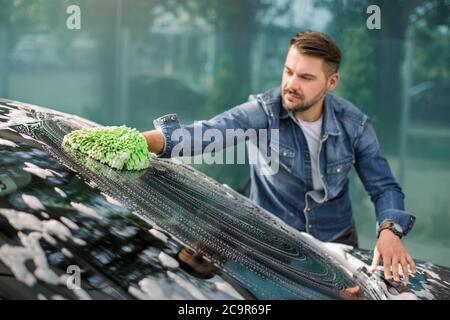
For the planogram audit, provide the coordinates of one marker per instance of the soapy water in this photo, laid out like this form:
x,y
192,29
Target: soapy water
x,y
248,244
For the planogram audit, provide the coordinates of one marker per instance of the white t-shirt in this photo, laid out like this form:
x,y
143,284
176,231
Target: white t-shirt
x,y
313,133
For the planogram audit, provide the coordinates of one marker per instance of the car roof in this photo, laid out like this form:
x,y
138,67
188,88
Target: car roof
x,y
136,234
52,218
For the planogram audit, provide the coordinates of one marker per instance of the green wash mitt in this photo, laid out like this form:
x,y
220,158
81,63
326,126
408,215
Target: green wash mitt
x,y
118,147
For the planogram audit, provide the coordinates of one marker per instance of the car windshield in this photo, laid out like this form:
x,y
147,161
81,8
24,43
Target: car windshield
x,y
165,232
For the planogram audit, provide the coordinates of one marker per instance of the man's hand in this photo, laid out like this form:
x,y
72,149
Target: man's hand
x,y
390,248
155,141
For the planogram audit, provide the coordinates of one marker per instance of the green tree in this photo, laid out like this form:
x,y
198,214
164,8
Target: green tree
x,y
373,59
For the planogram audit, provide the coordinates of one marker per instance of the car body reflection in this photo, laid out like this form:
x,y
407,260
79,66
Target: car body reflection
x,y
168,232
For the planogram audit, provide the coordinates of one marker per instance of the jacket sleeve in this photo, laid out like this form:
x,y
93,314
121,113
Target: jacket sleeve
x,y
190,140
376,176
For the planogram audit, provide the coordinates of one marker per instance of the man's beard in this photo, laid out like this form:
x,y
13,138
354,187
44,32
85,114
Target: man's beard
x,y
304,105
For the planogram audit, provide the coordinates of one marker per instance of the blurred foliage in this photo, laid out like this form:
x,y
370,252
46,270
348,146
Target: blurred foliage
x,y
164,95
373,59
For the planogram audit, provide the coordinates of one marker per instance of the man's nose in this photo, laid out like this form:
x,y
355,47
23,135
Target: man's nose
x,y
294,84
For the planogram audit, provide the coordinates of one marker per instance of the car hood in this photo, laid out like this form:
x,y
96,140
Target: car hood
x,y
125,230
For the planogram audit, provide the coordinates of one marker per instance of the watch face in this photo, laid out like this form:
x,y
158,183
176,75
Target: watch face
x,y
394,227
398,228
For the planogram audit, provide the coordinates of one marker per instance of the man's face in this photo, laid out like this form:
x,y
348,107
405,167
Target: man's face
x,y
304,81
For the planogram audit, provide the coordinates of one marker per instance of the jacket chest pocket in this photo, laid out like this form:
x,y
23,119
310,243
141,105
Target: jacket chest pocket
x,y
285,154
337,172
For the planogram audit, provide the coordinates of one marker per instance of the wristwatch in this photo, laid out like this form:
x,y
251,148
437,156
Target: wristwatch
x,y
393,226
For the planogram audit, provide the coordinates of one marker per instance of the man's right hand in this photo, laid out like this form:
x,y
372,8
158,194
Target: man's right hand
x,y
155,141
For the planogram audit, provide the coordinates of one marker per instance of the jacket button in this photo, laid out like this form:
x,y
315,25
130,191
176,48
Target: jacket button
x,y
285,154
338,170
308,209
310,226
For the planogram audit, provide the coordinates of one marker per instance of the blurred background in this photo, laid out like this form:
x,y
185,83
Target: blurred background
x,y
135,60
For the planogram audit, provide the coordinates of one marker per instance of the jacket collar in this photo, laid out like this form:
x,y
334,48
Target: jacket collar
x,y
330,125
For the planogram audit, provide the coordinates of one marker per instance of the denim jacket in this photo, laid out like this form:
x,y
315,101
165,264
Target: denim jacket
x,y
348,140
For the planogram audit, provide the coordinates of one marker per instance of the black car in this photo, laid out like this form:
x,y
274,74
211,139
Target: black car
x,y
73,228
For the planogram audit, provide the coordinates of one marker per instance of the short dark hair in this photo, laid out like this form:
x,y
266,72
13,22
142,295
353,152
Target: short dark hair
x,y
317,44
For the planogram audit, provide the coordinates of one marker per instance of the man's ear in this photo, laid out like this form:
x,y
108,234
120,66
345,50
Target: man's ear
x,y
333,81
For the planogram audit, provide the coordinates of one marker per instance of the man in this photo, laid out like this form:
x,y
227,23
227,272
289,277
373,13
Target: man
x,y
321,137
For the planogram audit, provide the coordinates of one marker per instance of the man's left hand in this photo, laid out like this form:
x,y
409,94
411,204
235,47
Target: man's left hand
x,y
391,249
